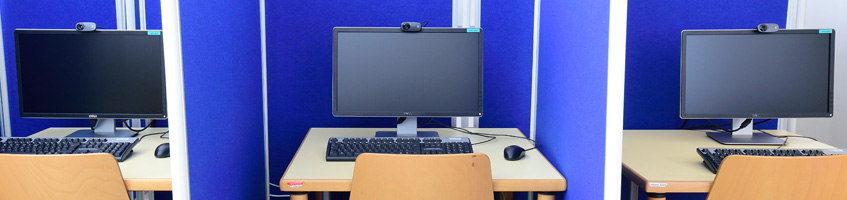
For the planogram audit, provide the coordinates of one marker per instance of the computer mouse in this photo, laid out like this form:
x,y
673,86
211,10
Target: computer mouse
x,y
163,150
513,152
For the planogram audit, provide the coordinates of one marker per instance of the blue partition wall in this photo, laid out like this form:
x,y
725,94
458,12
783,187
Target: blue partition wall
x,y
45,14
299,40
651,97
299,64
507,64
223,98
572,75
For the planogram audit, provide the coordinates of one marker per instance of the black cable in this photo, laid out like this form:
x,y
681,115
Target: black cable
x,y
93,123
743,125
425,122
130,128
490,136
425,22
786,137
683,124
763,121
783,143
149,134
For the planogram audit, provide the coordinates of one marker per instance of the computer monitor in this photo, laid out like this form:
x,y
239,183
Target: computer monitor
x,y
103,74
385,72
745,74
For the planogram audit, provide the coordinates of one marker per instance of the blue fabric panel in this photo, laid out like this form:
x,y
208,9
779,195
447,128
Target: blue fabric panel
x,y
507,64
653,46
299,57
572,75
154,14
45,14
223,98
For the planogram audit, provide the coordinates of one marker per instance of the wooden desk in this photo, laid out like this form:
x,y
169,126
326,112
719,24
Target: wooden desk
x,y
141,171
309,166
666,161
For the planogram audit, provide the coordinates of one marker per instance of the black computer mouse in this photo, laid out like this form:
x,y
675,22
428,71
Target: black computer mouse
x,y
513,152
163,150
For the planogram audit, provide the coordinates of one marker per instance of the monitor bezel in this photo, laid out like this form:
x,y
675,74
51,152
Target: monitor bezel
x,y
685,115
24,114
337,113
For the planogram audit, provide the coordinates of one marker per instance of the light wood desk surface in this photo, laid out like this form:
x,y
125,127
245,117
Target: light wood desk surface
x,y
309,165
141,171
666,161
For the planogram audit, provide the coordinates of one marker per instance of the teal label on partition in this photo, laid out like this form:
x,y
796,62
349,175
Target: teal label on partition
x,y
154,32
825,31
473,30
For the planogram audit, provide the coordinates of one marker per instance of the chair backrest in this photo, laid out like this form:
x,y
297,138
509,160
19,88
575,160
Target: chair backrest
x,y
773,178
80,176
443,177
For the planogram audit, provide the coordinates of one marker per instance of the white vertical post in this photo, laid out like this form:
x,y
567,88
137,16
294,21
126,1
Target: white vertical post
x,y
615,98
466,14
129,14
142,14
172,36
263,38
533,108
536,27
120,14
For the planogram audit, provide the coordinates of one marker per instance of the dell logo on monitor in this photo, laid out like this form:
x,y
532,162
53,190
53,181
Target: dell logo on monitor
x,y
92,116
407,113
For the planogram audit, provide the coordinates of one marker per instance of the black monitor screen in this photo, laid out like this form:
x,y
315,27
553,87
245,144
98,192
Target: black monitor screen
x,y
746,74
387,72
102,74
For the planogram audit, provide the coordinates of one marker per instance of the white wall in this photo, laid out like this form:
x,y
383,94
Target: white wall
x,y
828,14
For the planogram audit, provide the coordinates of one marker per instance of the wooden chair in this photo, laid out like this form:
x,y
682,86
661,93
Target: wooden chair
x,y
443,177
43,177
773,178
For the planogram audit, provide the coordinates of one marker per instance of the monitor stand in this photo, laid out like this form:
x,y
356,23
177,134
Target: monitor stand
x,y
745,136
104,128
407,128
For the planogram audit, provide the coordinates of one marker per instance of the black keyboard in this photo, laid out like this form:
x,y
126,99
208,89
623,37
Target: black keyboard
x,y
347,148
120,147
713,157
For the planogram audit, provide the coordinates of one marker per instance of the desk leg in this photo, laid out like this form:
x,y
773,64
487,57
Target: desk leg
x,y
319,195
656,196
546,195
633,191
299,195
507,195
142,195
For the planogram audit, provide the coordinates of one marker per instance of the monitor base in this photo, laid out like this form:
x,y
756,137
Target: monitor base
x,y
91,133
754,139
394,134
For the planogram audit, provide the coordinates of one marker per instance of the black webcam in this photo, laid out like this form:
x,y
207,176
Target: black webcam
x,y
767,28
410,27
